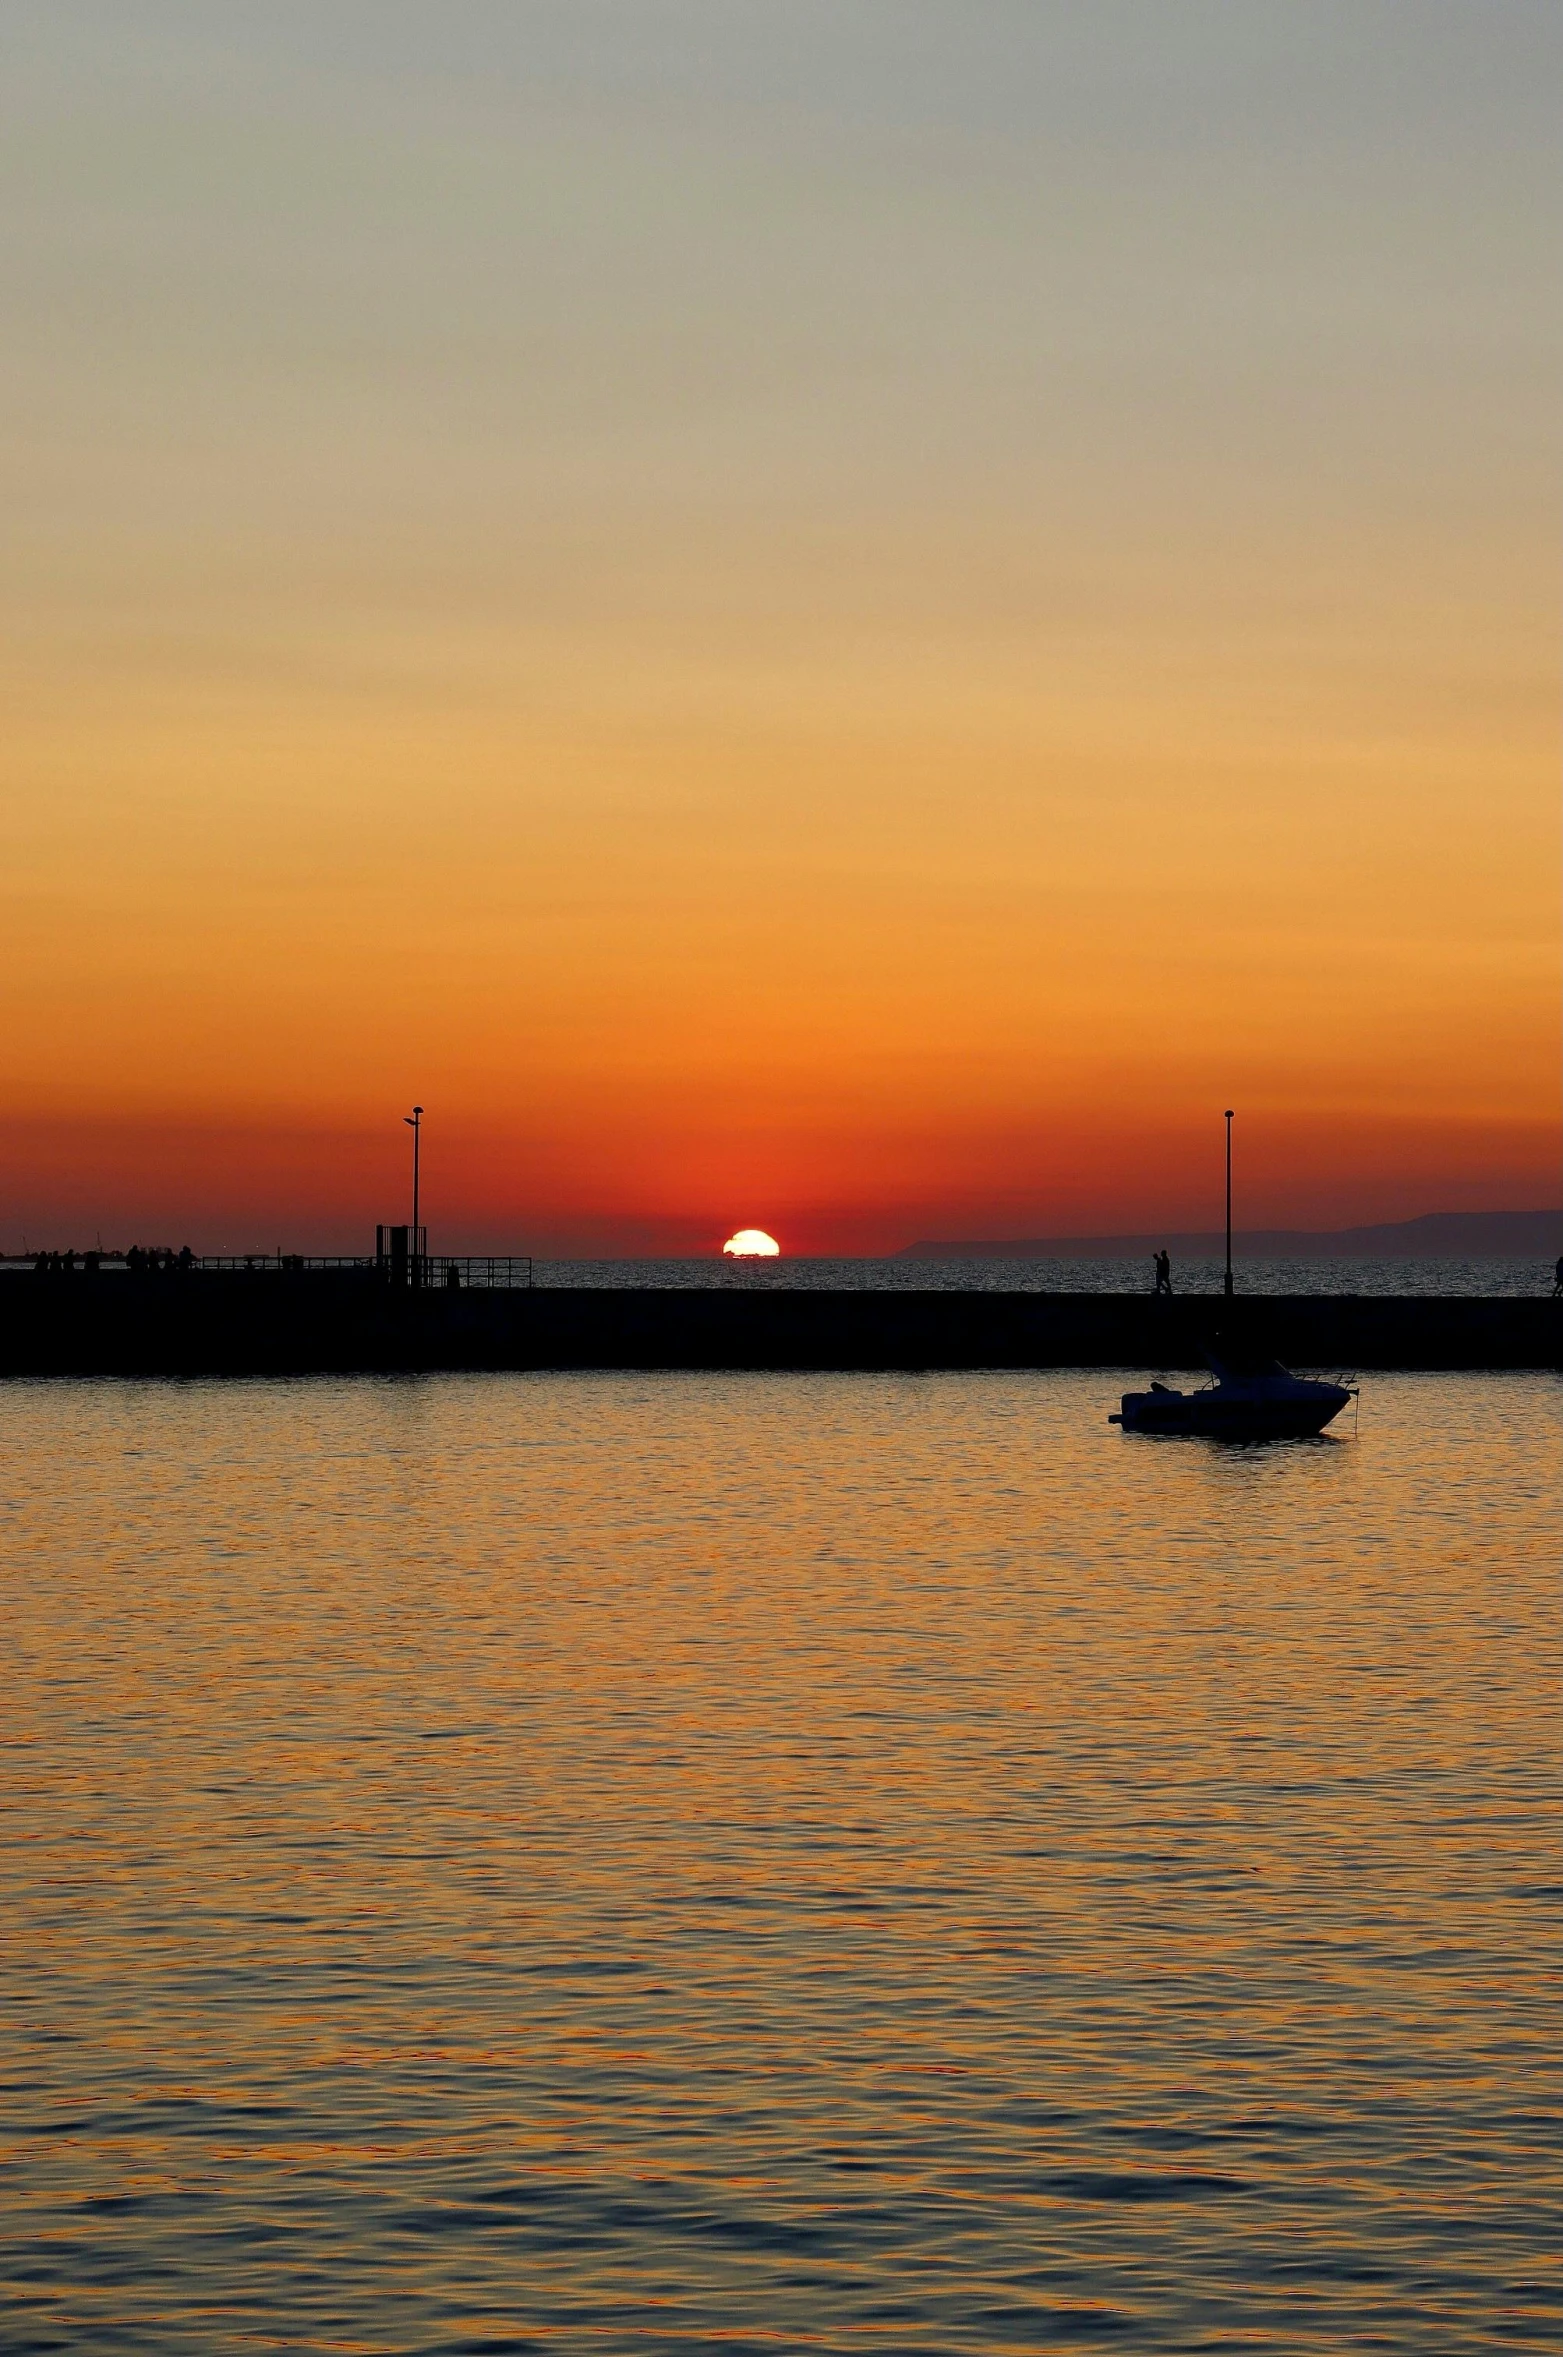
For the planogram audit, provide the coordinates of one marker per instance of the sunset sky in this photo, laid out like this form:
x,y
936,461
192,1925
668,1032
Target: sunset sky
x,y
848,618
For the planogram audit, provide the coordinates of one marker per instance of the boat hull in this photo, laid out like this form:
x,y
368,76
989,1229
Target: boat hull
x,y
1299,1412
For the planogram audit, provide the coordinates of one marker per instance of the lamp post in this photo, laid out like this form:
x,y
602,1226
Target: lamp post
x,y
1227,1287
414,1121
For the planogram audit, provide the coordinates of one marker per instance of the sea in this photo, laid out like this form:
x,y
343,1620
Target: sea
x,y
1489,1276
757,1863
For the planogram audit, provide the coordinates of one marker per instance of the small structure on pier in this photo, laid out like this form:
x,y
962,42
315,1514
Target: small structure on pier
x,y
401,1254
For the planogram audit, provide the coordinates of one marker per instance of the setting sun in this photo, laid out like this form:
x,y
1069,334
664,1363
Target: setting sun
x,y
752,1244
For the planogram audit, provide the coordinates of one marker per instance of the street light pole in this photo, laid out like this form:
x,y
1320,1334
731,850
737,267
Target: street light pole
x,y
414,1121
1227,1288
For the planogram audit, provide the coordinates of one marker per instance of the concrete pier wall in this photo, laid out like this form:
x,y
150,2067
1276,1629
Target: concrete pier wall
x,y
345,1322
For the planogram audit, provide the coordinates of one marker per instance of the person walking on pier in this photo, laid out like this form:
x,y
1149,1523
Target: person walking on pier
x,y
1557,1278
1163,1262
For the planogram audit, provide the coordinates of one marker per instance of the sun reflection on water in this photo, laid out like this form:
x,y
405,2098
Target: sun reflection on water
x,y
859,1861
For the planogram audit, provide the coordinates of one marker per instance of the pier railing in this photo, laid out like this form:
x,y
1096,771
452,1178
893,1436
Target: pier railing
x,y
426,1272
262,1263
506,1272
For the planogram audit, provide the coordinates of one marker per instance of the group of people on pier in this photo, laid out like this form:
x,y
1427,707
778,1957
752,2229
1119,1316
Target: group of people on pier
x,y
140,1258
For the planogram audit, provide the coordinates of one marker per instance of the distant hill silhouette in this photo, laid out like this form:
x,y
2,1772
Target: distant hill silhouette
x,y
1437,1235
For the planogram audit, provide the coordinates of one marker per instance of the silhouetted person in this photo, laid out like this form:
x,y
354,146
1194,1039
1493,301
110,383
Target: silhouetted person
x,y
1163,1272
1557,1276
453,1278
186,1258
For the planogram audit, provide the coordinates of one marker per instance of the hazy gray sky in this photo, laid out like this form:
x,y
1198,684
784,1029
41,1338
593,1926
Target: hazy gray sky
x,y
755,492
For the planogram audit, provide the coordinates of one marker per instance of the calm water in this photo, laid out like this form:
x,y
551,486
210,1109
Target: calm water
x,y
763,1863
1067,1276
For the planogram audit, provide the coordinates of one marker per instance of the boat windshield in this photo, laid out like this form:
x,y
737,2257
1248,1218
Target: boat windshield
x,y
1243,1366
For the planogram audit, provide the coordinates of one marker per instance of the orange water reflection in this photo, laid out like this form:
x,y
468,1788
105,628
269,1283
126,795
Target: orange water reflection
x,y
841,1862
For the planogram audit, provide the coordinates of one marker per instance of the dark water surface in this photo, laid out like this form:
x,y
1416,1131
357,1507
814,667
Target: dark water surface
x,y
1488,1277
774,1862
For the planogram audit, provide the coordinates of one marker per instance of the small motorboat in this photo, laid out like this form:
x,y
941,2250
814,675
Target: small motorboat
x,y
1251,1399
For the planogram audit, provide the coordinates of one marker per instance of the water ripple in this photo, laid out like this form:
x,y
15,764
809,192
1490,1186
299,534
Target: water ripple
x,y
621,1863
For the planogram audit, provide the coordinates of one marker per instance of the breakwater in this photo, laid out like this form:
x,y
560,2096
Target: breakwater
x,y
283,1321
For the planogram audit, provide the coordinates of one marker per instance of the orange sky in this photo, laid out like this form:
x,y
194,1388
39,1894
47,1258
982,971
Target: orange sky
x,y
853,633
